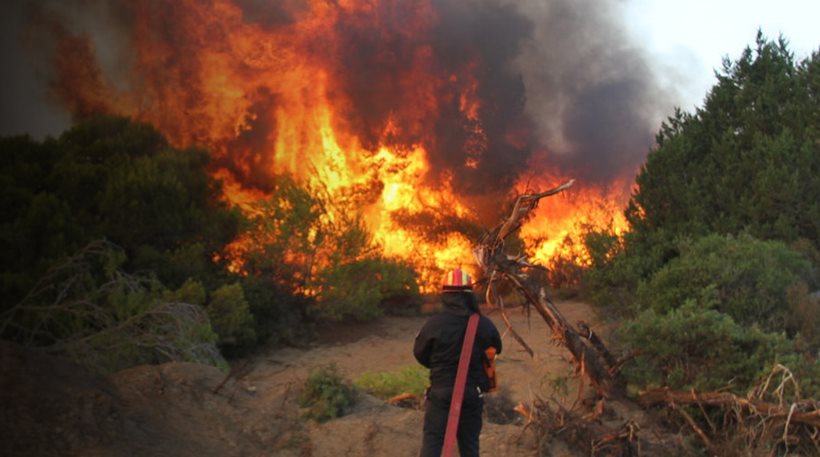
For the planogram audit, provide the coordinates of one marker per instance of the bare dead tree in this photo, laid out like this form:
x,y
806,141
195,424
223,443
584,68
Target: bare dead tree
x,y
765,418
589,353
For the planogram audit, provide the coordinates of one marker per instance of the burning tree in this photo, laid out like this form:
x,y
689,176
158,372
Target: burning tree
x,y
765,418
589,352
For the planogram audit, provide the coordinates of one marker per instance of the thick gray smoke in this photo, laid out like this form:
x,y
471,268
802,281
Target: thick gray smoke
x,y
562,86
590,91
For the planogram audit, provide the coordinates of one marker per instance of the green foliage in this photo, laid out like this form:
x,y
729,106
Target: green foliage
x,y
694,347
614,273
284,234
803,316
806,370
279,316
742,277
230,316
114,179
747,161
191,291
356,289
109,178
293,239
87,308
326,395
386,385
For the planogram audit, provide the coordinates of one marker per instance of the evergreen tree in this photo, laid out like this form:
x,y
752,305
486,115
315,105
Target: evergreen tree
x,y
747,161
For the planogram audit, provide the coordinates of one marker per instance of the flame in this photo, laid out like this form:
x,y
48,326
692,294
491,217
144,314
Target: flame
x,y
568,216
273,99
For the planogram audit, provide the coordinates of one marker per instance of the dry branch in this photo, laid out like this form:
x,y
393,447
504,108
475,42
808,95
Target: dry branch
x,y
806,412
105,319
590,355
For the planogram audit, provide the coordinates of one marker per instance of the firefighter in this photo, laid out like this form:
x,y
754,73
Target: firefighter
x,y
438,347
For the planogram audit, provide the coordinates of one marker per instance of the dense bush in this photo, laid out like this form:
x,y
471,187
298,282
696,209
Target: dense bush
x,y
230,316
256,275
742,277
278,315
293,239
617,267
110,178
747,161
695,347
326,395
88,309
717,270
744,163
358,289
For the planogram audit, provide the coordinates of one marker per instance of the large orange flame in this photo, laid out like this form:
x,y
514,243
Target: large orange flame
x,y
275,99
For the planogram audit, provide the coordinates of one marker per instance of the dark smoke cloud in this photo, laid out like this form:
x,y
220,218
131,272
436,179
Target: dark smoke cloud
x,y
270,13
24,103
478,38
559,80
490,33
590,91
561,84
39,38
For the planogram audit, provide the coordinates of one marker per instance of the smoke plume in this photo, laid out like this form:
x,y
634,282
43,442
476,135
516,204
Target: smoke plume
x,y
493,90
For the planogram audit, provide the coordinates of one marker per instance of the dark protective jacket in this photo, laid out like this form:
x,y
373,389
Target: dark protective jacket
x,y
438,344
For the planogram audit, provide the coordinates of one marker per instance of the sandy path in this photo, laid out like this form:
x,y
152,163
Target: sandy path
x,y
375,429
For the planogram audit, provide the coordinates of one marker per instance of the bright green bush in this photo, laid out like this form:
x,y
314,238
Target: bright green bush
x,y
357,289
230,316
191,291
742,277
619,264
694,347
387,384
326,395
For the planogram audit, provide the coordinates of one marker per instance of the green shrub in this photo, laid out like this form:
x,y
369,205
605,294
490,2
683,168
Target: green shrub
x,y
386,385
326,395
358,288
742,277
694,347
230,316
191,291
804,317
89,310
278,315
618,265
806,370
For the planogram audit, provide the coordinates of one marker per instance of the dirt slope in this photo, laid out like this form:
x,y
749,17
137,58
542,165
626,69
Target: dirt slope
x,y
55,408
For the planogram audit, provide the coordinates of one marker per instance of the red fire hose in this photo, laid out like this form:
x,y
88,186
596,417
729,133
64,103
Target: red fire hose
x,y
458,388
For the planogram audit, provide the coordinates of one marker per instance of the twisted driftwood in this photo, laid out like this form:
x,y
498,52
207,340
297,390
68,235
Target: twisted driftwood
x,y
589,353
766,418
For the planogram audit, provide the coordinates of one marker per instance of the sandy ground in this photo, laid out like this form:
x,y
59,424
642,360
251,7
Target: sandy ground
x,y
53,408
387,345
377,429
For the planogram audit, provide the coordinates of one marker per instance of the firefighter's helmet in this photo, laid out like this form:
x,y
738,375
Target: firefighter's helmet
x,y
457,280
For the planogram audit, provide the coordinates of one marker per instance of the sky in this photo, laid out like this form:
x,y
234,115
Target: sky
x,y
690,38
685,41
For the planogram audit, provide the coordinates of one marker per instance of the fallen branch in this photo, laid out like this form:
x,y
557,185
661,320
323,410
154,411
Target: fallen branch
x,y
590,355
806,412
